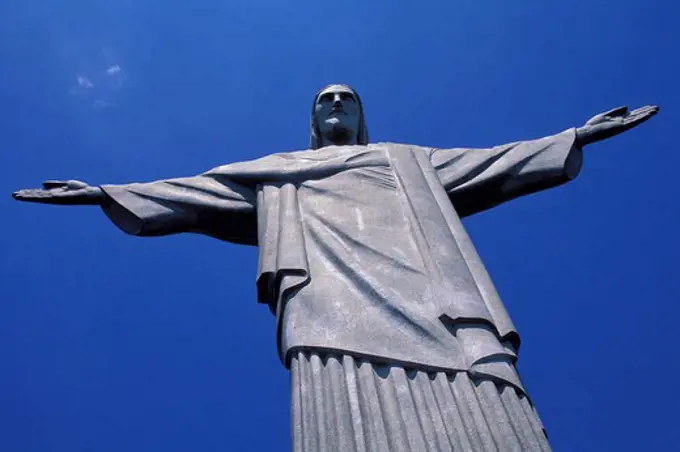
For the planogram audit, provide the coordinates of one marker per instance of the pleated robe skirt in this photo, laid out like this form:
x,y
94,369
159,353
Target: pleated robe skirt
x,y
340,403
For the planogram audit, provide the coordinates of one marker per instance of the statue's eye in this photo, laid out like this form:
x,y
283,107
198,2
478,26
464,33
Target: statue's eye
x,y
327,98
347,97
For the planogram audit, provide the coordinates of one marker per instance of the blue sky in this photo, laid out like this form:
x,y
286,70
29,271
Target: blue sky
x,y
110,343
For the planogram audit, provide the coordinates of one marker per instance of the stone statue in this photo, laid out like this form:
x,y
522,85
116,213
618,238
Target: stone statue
x,y
394,335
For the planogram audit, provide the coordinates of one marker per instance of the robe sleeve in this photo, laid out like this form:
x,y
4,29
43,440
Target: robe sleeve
x,y
478,179
209,204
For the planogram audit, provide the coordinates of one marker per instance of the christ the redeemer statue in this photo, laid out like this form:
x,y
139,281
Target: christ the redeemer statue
x,y
394,335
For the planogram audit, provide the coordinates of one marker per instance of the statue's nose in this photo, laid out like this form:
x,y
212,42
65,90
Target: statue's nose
x,y
337,102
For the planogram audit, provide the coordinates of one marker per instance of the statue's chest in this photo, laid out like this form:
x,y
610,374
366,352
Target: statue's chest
x,y
363,175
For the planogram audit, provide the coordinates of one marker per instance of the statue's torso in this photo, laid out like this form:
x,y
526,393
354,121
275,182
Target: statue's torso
x,y
383,264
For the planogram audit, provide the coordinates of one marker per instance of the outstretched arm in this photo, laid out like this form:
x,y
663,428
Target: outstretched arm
x,y
478,179
209,204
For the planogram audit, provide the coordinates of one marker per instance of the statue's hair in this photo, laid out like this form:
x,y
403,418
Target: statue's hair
x,y
316,140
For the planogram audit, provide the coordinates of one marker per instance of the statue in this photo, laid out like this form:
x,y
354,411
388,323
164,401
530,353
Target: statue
x,y
392,330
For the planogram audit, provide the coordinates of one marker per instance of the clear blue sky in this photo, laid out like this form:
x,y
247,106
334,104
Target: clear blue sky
x,y
111,343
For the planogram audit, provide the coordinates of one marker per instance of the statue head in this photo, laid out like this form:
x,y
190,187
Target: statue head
x,y
337,118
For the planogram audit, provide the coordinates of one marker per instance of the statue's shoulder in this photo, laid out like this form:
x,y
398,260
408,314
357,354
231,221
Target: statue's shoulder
x,y
396,147
324,153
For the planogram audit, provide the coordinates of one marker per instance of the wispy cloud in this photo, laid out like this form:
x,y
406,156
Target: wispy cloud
x,y
100,87
113,70
115,76
84,82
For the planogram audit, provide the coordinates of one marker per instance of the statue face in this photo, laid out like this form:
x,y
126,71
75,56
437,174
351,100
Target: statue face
x,y
337,115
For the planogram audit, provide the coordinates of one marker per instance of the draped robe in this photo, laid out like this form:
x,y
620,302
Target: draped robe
x,y
361,248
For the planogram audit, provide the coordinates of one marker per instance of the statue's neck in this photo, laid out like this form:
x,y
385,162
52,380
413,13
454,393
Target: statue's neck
x,y
340,141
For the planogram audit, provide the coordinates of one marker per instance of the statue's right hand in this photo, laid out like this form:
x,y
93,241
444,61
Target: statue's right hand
x,y
70,192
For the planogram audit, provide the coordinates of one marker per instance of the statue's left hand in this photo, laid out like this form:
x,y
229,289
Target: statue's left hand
x,y
613,122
